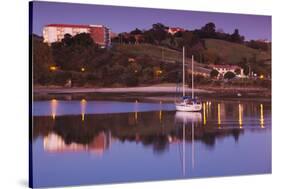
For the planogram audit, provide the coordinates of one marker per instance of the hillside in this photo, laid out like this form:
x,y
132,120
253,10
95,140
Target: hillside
x,y
232,53
154,51
159,53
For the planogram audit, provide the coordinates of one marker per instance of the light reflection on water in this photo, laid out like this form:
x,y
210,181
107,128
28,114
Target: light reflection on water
x,y
219,141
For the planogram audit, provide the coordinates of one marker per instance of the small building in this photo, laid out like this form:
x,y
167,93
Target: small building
x,y
174,30
55,32
223,69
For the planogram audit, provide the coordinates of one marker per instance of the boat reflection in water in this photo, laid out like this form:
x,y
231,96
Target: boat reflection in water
x,y
188,119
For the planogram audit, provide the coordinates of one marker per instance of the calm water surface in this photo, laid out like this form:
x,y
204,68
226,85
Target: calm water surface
x,y
94,142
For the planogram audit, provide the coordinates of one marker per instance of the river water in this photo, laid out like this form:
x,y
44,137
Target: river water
x,y
79,142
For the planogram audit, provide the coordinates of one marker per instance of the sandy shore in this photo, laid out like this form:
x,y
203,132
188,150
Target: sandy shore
x,y
164,92
148,89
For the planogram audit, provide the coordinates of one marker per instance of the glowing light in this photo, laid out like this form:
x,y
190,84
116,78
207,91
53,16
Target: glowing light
x,y
261,118
261,76
204,114
158,72
240,115
82,69
219,114
53,68
54,104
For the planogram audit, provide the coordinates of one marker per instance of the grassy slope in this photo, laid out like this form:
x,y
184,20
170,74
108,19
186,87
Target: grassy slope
x,y
232,52
154,51
150,50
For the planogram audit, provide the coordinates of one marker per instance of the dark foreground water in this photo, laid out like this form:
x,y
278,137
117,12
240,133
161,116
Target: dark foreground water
x,y
93,142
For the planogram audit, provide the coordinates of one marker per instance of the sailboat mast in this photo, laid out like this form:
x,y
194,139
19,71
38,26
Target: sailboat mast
x,y
192,92
183,71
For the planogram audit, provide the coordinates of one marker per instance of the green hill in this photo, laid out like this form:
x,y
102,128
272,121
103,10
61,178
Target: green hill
x,y
159,53
154,51
232,53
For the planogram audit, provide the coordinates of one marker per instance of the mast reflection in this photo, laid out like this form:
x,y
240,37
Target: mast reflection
x,y
185,118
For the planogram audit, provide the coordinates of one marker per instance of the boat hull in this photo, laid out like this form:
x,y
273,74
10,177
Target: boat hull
x,y
189,108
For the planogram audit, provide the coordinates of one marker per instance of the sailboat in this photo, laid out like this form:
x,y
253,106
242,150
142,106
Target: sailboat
x,y
188,104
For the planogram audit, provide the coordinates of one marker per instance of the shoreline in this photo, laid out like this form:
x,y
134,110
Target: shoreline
x,y
164,92
146,89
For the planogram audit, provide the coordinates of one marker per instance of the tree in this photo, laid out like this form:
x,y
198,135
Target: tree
x,y
136,32
244,65
148,36
235,37
42,60
159,32
229,75
209,30
73,53
258,45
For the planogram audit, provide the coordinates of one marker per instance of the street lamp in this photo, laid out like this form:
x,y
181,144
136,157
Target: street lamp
x,y
53,68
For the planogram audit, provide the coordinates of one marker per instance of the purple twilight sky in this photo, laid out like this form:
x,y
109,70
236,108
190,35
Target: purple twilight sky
x,y
120,19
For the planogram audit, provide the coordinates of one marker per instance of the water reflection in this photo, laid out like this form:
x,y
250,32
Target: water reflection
x,y
188,119
160,112
261,116
136,111
219,115
172,144
83,109
55,143
240,107
204,113
54,106
148,126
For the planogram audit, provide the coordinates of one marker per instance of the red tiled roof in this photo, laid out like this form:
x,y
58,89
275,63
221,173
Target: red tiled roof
x,y
175,29
70,25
